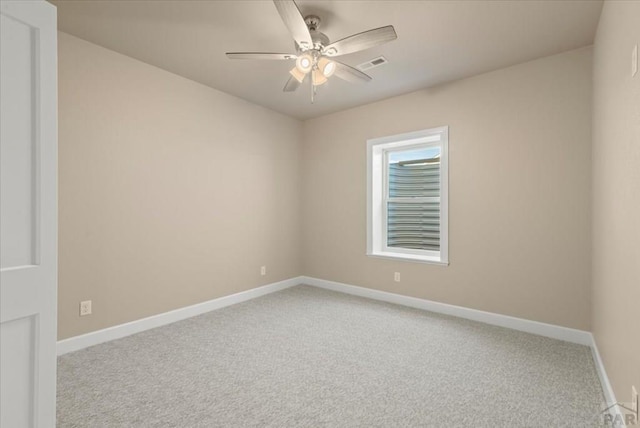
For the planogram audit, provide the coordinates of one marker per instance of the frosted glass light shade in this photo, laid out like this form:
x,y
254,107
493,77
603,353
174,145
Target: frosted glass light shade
x,y
304,63
318,78
327,66
297,74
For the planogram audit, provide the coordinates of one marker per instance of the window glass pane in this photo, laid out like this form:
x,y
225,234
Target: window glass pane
x,y
414,225
414,173
413,154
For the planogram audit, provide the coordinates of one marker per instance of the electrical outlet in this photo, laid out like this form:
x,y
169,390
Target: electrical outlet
x,y
634,61
85,308
263,270
634,399
396,276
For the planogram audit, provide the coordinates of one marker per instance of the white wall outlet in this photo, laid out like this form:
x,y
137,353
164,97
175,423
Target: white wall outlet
x,y
85,308
634,61
396,276
634,399
263,270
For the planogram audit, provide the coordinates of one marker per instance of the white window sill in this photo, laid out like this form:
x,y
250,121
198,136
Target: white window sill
x,y
408,258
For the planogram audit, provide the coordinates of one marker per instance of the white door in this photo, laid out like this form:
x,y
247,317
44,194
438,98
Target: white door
x,y
28,213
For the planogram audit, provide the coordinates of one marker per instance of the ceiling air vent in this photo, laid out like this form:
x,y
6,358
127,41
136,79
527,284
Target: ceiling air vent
x,y
372,63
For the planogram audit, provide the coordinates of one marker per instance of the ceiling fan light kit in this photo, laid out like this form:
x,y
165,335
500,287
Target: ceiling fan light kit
x,y
326,66
304,63
317,78
320,68
297,74
315,52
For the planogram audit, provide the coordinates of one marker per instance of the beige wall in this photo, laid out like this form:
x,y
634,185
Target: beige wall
x,y
171,193
616,196
520,161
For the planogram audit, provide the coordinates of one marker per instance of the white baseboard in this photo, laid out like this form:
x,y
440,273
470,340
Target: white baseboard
x,y
607,390
116,332
549,330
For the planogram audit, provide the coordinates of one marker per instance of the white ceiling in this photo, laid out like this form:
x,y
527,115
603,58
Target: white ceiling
x,y
438,41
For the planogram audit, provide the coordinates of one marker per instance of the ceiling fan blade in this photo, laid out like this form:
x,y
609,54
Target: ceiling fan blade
x,y
361,41
292,84
294,21
260,55
350,74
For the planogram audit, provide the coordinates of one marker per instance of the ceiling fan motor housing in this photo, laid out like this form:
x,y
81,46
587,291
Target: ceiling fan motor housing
x,y
319,39
313,22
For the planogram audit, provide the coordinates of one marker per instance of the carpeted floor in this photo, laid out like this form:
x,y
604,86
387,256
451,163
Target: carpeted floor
x,y
307,357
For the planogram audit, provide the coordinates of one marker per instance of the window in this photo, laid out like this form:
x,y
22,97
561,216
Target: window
x,y
407,194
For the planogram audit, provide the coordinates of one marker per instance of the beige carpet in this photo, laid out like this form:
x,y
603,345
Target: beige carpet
x,y
307,357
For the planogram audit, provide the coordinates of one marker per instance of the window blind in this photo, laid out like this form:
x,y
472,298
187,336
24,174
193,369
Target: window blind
x,y
413,206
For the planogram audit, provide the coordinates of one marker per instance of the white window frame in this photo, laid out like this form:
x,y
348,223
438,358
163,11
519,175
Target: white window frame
x,y
378,150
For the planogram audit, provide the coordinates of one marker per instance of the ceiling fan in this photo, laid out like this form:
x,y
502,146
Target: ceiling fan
x,y
314,53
